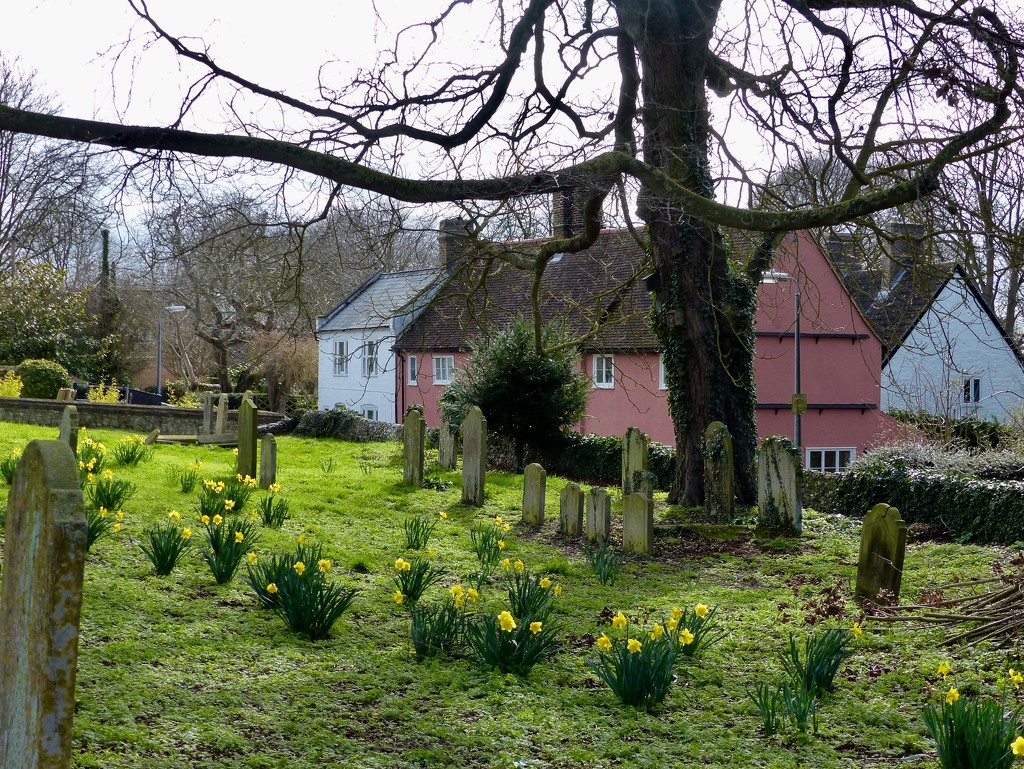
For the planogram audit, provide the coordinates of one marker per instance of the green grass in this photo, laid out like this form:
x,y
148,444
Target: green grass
x,y
180,672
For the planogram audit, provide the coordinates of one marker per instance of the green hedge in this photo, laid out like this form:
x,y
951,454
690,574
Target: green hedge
x,y
972,509
42,378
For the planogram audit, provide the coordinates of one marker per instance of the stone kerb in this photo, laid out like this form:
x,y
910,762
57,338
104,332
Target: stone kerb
x,y
718,473
414,437
570,510
40,608
779,485
598,522
883,546
474,457
637,524
534,488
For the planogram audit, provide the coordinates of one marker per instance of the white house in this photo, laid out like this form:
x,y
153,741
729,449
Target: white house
x,y
946,352
356,363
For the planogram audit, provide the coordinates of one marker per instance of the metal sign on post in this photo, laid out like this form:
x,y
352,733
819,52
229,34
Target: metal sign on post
x,y
799,403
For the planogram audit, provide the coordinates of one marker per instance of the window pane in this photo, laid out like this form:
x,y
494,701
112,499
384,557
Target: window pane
x,y
815,463
844,459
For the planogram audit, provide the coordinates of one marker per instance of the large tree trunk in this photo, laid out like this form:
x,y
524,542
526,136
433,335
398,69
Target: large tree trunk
x,y
704,311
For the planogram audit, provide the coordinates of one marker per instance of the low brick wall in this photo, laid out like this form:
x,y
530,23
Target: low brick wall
x,y
117,416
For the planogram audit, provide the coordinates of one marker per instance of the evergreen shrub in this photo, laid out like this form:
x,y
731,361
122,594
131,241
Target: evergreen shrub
x,y
42,378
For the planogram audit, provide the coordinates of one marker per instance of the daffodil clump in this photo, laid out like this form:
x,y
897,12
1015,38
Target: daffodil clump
x,y
418,530
529,595
104,490
131,450
100,523
165,544
186,477
694,629
91,457
636,662
272,509
9,465
299,589
490,540
412,578
225,542
509,643
441,628
975,731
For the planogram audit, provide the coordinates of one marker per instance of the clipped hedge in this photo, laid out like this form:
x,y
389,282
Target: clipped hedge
x,y
42,378
345,424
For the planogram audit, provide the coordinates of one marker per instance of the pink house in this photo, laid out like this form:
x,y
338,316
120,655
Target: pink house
x,y
840,354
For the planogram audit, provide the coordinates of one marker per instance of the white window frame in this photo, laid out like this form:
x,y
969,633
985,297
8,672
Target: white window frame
x,y
661,372
444,369
370,360
972,390
412,369
371,412
340,357
604,371
809,458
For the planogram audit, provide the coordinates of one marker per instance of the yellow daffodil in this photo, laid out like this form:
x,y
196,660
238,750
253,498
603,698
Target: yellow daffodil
x,y
239,536
102,512
672,624
506,528
634,645
501,544
518,566
302,539
253,513
507,621
686,637
174,515
251,557
217,520
535,627
1017,746
858,631
120,515
459,602
274,488
952,695
324,564
397,596
1016,678
403,565
272,588
234,452
700,610
90,478
186,533
657,632
472,594
619,621
299,567
944,668
506,564
117,527
108,475
431,552
604,642
443,515
545,583
238,477
206,520
229,504
456,591
557,590
499,520
677,614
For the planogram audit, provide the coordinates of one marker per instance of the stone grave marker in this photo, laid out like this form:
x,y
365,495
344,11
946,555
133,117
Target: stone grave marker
x,y
635,476
598,523
414,437
268,461
207,428
718,473
247,438
153,435
221,426
474,457
66,394
535,481
637,524
447,456
779,485
69,428
883,545
40,608
570,510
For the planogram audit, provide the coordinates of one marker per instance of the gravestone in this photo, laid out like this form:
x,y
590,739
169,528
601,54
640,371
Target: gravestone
x,y
207,414
570,510
779,485
413,439
883,544
447,456
535,481
598,523
40,608
69,428
222,415
153,435
247,439
268,461
718,470
474,457
635,476
637,524
66,394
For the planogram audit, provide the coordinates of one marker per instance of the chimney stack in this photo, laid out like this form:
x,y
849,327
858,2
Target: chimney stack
x,y
567,212
452,238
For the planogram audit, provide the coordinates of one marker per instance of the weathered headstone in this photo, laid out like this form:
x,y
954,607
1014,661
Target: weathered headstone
x,y
414,437
447,456
40,608
635,476
222,414
268,460
570,510
474,457
66,394
247,438
207,414
883,544
779,485
598,524
637,524
535,481
153,435
718,470
69,428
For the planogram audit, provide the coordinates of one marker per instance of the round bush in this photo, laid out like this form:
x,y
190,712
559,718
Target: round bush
x,y
42,378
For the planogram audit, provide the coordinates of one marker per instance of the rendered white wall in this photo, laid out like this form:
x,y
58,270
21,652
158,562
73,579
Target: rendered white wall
x,y
353,389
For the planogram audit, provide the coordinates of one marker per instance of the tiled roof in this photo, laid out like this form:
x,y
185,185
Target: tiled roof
x,y
377,301
602,285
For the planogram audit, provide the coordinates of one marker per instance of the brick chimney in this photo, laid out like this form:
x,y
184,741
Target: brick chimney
x,y
567,213
452,238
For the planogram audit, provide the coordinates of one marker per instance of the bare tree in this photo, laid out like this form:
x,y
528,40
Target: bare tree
x,y
591,94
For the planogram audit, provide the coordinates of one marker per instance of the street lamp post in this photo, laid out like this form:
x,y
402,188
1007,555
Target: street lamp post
x,y
160,343
799,402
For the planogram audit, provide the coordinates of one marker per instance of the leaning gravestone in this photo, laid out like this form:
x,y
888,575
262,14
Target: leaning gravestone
x,y
222,415
598,524
474,457
413,439
718,469
446,453
637,524
207,414
883,545
268,461
69,428
635,476
535,481
40,608
779,485
570,510
247,439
